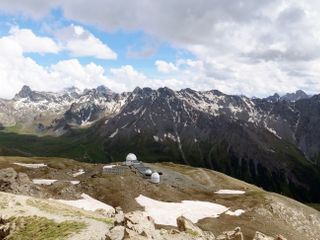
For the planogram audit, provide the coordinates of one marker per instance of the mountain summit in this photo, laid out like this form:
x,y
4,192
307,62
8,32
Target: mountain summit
x,y
293,97
24,92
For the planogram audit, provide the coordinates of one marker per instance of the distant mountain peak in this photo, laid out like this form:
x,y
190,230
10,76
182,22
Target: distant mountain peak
x,y
274,98
292,97
24,92
104,90
72,89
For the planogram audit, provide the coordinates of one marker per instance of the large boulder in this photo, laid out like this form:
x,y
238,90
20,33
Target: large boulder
x,y
6,227
185,225
235,234
261,236
116,233
142,224
119,216
17,183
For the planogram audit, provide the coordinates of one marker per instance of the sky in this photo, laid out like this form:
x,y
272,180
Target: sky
x,y
249,47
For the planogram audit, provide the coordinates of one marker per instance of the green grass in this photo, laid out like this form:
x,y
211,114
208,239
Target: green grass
x,y
80,145
40,228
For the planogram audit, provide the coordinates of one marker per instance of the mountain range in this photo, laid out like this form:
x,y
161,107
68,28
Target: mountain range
x,y
272,142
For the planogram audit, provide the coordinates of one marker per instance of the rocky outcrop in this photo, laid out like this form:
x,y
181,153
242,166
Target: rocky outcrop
x,y
5,228
17,183
261,236
235,234
185,225
137,225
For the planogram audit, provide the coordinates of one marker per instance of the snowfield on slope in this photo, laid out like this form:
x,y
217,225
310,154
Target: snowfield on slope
x,y
108,166
51,181
230,191
236,213
166,213
31,165
44,181
88,203
80,172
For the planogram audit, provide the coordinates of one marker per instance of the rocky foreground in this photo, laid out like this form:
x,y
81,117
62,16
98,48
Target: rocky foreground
x,y
137,225
98,225
34,193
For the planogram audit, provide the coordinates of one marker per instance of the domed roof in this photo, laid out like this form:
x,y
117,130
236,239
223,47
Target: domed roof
x,y
155,177
148,172
131,157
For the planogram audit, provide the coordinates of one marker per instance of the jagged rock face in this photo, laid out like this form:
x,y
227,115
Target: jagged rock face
x,y
293,97
93,105
52,111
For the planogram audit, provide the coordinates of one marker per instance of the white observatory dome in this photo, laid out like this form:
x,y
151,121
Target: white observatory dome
x,y
130,159
148,172
155,177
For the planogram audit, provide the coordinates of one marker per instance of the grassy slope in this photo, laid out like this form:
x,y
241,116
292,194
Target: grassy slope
x,y
40,228
80,145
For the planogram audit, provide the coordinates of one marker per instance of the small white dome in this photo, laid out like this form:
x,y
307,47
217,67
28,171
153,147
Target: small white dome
x,y
155,177
131,157
148,172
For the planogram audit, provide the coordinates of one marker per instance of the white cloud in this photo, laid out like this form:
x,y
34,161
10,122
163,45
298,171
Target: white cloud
x,y
81,43
165,67
29,42
126,78
251,47
17,70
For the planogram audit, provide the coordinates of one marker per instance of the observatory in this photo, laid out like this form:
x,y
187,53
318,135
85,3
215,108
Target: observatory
x,y
131,159
155,177
138,167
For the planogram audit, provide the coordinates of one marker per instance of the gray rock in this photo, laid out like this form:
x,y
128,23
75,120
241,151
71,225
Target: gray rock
x,y
235,234
261,236
116,233
17,183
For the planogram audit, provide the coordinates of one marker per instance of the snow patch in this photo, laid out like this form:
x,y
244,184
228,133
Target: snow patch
x,y
80,172
88,203
114,134
108,166
166,213
44,181
236,213
51,181
229,191
31,165
74,182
